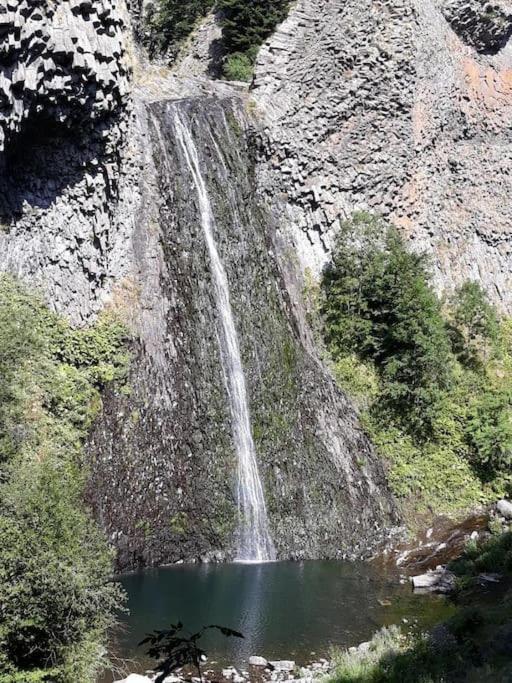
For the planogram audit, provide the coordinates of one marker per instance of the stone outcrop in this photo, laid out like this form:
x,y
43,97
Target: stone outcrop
x,y
61,63
485,26
400,107
69,173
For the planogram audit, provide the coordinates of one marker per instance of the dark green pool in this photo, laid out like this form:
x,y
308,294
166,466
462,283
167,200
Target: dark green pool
x,y
284,609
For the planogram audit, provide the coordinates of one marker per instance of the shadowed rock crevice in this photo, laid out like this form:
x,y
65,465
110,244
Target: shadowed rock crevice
x,y
484,26
31,171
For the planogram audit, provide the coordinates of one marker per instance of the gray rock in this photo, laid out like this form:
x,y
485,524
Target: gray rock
x,y
439,580
284,665
505,508
56,48
401,109
258,661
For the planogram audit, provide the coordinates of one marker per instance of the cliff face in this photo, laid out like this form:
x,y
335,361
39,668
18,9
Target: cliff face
x,y
401,107
68,164
99,209
164,465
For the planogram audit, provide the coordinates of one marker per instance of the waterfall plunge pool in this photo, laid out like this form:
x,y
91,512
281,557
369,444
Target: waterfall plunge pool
x,y
286,610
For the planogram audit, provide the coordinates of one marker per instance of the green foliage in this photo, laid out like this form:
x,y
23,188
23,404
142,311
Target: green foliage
x,y
435,383
238,67
394,656
171,22
462,650
473,324
378,304
246,25
357,378
493,555
432,476
179,523
56,599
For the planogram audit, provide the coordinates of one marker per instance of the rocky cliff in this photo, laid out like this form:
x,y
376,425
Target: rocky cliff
x,y
98,209
401,107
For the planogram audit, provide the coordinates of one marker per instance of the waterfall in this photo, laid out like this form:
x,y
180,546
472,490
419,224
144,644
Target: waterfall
x,y
254,542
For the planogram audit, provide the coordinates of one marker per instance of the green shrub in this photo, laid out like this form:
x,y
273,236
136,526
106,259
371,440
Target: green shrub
x,y
238,67
491,556
358,379
56,598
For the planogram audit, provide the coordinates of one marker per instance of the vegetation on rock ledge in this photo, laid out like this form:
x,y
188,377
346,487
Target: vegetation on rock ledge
x,y
245,26
56,598
433,377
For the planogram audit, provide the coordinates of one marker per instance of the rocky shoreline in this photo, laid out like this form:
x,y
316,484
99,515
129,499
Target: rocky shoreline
x,y
259,669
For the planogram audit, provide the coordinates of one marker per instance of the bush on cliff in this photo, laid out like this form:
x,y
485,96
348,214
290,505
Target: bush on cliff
x,y
246,24
56,597
438,375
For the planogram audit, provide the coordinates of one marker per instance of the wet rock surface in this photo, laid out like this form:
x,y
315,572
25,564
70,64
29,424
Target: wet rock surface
x,y
168,447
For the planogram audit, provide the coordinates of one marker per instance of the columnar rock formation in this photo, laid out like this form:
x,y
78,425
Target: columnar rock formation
x,y
402,107
398,106
63,62
68,166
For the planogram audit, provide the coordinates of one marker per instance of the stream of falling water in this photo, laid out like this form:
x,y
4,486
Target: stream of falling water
x,y
254,541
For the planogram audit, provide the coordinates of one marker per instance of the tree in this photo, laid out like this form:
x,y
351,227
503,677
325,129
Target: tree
x,y
56,597
473,324
171,21
378,303
246,24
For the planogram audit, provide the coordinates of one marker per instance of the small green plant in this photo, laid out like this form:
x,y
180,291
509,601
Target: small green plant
x,y
494,555
176,647
179,523
238,67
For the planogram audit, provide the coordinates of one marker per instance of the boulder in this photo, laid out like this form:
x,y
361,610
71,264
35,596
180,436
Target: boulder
x,y
439,580
283,665
505,508
135,678
258,661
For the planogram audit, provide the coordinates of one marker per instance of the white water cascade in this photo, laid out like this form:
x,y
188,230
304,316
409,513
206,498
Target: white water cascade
x,y
254,541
